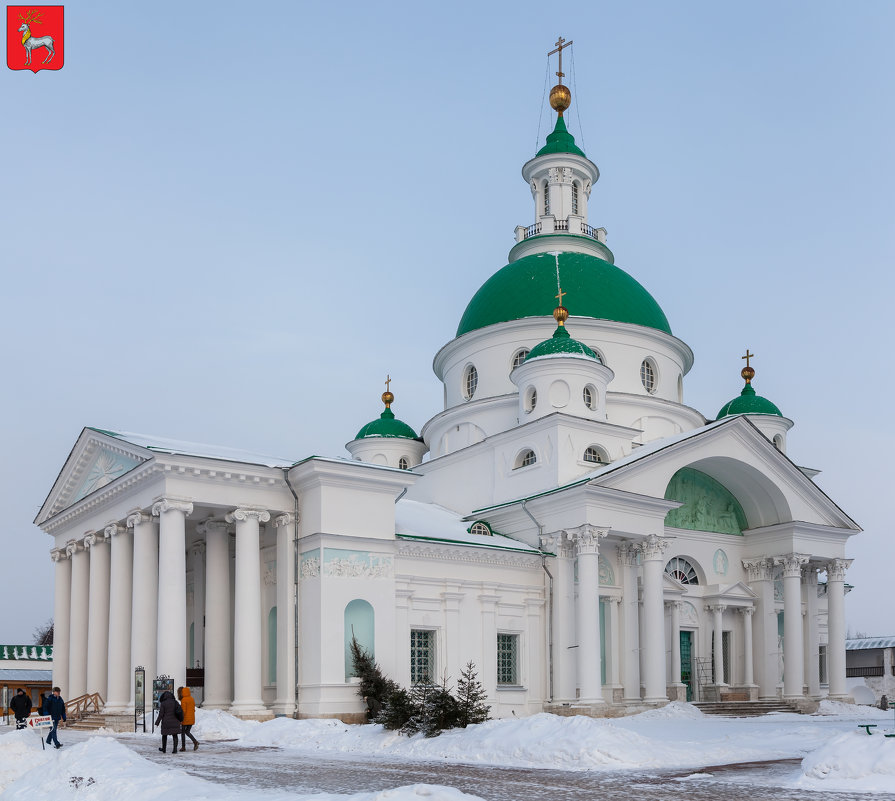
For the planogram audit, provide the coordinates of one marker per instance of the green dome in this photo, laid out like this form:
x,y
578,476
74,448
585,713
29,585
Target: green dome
x,y
561,141
596,288
748,403
387,426
561,343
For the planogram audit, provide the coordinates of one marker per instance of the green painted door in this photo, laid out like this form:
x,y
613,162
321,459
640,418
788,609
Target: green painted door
x,y
687,662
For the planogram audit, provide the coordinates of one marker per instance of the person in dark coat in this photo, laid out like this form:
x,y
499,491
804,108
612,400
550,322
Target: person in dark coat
x,y
54,706
167,718
21,707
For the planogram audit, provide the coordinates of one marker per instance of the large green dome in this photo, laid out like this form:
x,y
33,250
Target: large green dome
x,y
748,403
596,288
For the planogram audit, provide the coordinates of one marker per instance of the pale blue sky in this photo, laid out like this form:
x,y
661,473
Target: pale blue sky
x,y
226,224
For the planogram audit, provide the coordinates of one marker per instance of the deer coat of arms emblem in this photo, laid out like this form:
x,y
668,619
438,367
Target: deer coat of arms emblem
x,y
35,26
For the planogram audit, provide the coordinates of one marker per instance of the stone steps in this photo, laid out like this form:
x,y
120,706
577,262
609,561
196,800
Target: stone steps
x,y
88,722
740,709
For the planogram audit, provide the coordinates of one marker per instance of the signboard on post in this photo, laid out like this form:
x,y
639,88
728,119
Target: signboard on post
x,y
39,722
159,685
139,697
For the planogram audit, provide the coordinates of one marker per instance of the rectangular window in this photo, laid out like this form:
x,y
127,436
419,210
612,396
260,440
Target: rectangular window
x,y
725,655
574,198
822,666
422,656
508,659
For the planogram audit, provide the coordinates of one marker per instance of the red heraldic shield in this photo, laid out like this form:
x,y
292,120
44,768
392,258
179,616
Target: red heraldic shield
x,y
35,38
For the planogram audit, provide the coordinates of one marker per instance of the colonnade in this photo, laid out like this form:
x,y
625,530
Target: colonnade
x,y
121,602
637,621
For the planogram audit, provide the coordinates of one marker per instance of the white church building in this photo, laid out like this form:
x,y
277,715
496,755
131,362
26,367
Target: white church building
x,y
566,522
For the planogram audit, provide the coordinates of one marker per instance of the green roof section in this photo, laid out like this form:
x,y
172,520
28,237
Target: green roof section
x,y
748,403
387,426
561,344
561,141
596,289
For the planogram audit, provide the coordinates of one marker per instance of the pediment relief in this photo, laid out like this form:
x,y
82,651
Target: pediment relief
x,y
95,462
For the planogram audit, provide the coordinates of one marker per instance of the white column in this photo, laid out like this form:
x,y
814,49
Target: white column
x,y
286,589
836,623
717,611
218,650
760,573
197,559
652,550
98,614
793,653
171,641
587,614
675,608
144,599
61,612
247,624
627,556
120,594
614,642
77,648
562,617
747,612
812,638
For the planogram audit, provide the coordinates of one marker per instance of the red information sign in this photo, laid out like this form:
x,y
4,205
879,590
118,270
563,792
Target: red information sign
x,y
40,721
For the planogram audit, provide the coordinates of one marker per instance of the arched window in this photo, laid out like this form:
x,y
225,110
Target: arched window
x,y
525,458
589,396
778,442
470,381
531,399
596,455
648,375
403,463
272,646
575,197
682,570
546,198
680,389
480,528
519,357
359,623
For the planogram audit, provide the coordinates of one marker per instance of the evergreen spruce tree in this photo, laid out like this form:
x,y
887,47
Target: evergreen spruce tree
x,y
374,687
420,708
396,711
471,706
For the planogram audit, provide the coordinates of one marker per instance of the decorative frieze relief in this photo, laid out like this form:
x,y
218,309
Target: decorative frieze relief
x,y
689,615
356,564
627,554
310,564
461,555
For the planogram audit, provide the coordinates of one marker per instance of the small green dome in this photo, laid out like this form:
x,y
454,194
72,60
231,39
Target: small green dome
x,y
387,426
748,403
526,287
561,141
561,344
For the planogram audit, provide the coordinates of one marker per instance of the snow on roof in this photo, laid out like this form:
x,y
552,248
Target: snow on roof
x,y
428,521
865,643
182,448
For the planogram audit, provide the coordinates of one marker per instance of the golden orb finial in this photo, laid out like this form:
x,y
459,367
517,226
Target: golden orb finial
x,y
388,397
747,372
561,314
560,98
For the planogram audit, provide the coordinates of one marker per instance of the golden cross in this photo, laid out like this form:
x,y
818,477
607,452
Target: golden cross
x,y
388,380
560,44
561,293
748,356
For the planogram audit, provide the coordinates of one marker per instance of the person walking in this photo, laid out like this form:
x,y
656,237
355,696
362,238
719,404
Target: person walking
x,y
21,707
170,722
189,717
54,706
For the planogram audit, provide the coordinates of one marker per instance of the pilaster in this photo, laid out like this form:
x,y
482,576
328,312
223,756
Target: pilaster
x,y
286,594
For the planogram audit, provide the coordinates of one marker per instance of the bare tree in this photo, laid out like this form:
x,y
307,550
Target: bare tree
x,y
43,634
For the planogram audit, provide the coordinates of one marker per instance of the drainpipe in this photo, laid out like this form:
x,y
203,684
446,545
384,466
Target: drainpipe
x,y
295,567
403,493
549,621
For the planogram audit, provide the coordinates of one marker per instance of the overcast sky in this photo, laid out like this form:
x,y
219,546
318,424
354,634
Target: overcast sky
x,y
226,223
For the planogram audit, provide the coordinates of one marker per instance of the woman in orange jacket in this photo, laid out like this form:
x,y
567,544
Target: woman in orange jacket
x,y
189,717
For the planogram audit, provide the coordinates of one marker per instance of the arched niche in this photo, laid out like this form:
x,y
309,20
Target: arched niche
x,y
360,624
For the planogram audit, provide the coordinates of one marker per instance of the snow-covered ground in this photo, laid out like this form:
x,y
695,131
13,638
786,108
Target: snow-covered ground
x,y
836,755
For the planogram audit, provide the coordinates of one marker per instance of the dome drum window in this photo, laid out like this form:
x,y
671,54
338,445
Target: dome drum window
x,y
525,458
470,381
648,376
680,569
531,399
595,455
575,197
403,463
519,357
481,528
590,397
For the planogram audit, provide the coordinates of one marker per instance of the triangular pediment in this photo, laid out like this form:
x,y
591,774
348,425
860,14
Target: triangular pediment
x,y
97,460
770,488
738,591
